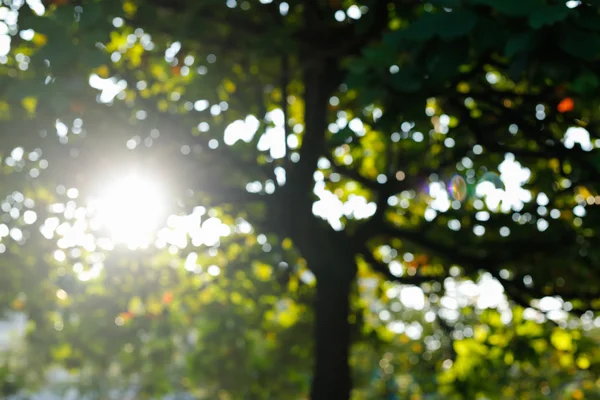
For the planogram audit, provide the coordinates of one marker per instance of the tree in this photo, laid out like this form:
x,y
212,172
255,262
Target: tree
x,y
429,86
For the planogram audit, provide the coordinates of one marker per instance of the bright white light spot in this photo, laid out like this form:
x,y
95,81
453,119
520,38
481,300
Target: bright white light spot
x,y
284,8
241,130
4,45
36,6
454,224
110,87
412,297
357,126
396,327
354,12
172,51
512,196
307,277
396,268
578,135
579,211
17,153
130,211
60,256
384,315
430,214
16,234
201,105
213,270
439,194
479,230
292,141
491,293
27,34
280,175
72,193
131,144
482,216
331,208
550,303
492,78
29,217
339,16
273,140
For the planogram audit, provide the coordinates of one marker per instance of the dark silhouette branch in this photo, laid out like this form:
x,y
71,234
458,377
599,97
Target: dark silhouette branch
x,y
383,269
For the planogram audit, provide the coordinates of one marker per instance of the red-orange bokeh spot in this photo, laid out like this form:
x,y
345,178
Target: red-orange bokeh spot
x,y
566,105
167,298
127,315
77,107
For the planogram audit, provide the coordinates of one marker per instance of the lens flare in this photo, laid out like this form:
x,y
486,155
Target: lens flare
x,y
458,188
492,178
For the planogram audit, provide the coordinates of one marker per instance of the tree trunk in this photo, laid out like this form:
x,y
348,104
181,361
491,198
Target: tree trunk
x,y
332,377
326,251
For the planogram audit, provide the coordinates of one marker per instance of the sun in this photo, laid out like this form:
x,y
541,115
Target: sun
x,y
130,211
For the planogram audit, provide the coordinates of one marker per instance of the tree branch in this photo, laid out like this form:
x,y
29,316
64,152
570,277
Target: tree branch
x,y
383,269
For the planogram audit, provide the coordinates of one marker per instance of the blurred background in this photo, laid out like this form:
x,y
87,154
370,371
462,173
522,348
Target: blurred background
x,y
236,199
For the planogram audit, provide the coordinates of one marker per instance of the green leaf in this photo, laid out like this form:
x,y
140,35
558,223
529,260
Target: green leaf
x,y
561,340
588,20
518,43
446,3
580,44
61,352
340,137
455,24
60,54
91,37
64,15
405,81
424,28
448,25
513,8
547,15
488,33
587,82
18,90
518,66
43,25
445,62
95,57
379,56
92,13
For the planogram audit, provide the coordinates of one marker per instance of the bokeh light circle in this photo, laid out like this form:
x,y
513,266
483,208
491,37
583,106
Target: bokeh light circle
x,y
458,188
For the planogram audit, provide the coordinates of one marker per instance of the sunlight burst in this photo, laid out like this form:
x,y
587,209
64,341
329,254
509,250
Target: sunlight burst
x,y
130,211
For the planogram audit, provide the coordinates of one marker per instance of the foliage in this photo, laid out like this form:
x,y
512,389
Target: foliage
x,y
247,113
